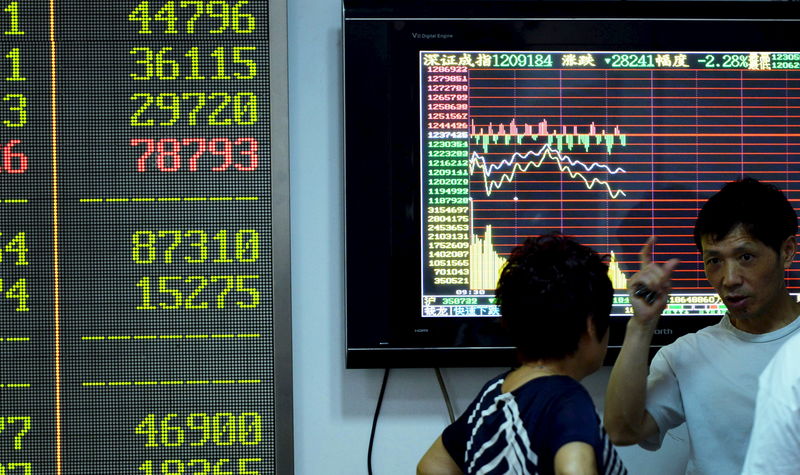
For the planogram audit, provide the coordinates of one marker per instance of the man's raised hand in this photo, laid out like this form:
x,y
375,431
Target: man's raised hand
x,y
649,288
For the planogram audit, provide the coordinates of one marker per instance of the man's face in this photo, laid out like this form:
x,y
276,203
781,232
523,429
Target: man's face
x,y
747,274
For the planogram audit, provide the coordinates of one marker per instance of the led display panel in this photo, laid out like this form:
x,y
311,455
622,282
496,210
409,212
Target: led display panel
x,y
136,242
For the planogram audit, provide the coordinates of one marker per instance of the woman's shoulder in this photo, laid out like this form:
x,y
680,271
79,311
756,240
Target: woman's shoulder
x,y
552,391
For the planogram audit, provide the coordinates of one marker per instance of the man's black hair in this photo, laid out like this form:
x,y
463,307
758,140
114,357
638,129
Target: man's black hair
x,y
547,289
761,208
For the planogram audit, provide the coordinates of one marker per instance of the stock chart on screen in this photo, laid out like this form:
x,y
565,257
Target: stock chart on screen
x,y
609,147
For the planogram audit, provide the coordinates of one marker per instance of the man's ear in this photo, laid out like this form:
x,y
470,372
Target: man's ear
x,y
590,329
788,251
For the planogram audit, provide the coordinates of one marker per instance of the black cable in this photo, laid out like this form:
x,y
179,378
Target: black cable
x,y
375,420
445,395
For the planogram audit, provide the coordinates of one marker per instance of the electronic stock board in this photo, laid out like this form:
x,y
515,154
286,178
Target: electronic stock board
x,y
138,268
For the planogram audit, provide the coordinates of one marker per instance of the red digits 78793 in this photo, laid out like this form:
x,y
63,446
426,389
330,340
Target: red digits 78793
x,y
197,154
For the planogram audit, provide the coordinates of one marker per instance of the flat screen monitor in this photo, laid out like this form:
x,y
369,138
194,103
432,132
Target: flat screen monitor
x,y
469,129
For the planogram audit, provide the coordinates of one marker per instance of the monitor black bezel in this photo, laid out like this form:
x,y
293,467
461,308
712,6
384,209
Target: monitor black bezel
x,y
381,42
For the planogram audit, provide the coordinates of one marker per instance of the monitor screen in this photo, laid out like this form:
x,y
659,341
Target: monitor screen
x,y
605,146
495,130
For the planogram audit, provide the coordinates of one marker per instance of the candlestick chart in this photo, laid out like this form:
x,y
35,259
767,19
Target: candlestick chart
x,y
608,150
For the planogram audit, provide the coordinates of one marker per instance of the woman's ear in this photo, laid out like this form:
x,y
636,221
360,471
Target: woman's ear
x,y
590,329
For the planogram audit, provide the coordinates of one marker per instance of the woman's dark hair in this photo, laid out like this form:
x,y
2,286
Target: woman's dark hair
x,y
761,208
547,289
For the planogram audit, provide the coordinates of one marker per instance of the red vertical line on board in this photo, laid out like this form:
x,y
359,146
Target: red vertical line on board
x,y
592,131
786,117
56,301
561,121
741,122
699,273
652,162
516,191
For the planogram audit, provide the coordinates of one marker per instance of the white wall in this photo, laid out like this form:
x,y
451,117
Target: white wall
x,y
333,407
